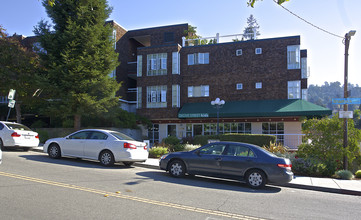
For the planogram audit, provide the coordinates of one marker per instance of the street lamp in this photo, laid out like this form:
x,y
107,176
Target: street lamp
x,y
218,103
345,94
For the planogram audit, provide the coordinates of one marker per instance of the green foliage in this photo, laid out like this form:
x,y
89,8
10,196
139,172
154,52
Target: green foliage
x,y
344,174
326,140
156,152
276,148
322,95
79,57
252,26
358,174
39,124
313,167
171,140
43,135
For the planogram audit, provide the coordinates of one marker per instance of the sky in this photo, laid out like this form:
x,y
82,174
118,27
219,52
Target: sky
x,y
325,51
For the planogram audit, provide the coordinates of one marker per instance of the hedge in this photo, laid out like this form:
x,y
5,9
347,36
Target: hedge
x,y
257,139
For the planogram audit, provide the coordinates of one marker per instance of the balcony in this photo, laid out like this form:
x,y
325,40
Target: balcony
x,y
217,39
132,70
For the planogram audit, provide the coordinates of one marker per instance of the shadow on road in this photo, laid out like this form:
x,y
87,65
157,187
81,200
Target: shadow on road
x,y
75,162
206,182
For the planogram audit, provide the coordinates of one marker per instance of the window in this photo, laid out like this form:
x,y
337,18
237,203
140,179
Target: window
x,y
239,150
294,89
304,69
156,96
293,57
258,50
157,64
81,135
198,91
139,65
172,130
305,94
96,135
139,97
175,63
239,52
153,134
274,128
198,58
258,85
115,38
113,74
214,149
175,96
239,86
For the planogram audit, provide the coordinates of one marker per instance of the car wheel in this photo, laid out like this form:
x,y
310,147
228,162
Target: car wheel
x,y
106,158
26,149
177,168
54,151
128,164
2,145
256,179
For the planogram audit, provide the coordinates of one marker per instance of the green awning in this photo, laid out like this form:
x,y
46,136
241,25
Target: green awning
x,y
254,108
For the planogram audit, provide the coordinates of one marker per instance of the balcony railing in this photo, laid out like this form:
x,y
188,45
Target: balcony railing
x,y
217,39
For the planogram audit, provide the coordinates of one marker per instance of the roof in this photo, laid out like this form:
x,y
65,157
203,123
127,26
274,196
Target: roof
x,y
254,108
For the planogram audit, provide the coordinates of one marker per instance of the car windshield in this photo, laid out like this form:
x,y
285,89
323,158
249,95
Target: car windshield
x,y
121,136
17,127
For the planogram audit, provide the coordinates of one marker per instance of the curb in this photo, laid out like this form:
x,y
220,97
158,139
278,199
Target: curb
x,y
320,189
288,185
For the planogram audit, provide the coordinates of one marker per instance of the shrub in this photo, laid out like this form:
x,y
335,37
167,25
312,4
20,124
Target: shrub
x,y
176,148
344,174
43,135
156,152
276,148
358,174
39,124
171,140
313,167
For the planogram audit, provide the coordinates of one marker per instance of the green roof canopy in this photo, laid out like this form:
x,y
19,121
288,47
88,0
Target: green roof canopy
x,y
254,108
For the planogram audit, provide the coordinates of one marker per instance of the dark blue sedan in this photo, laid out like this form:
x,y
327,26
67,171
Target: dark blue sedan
x,y
230,160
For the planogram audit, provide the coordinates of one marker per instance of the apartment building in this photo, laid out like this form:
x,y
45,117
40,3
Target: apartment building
x,y
173,80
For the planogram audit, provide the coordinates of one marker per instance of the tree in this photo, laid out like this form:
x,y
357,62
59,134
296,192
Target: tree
x,y
79,56
326,141
251,2
252,27
19,70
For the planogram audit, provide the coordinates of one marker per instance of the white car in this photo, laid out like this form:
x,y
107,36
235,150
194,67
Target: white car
x,y
1,156
104,145
14,135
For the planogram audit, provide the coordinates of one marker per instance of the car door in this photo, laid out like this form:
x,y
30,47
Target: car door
x,y
207,159
73,145
237,159
94,144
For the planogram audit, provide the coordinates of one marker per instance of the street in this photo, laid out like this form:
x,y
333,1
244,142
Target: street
x,y
33,186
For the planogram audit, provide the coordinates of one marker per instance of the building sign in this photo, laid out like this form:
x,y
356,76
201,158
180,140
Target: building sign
x,y
348,101
193,115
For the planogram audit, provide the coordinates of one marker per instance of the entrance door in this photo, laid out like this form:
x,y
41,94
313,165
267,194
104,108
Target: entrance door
x,y
197,130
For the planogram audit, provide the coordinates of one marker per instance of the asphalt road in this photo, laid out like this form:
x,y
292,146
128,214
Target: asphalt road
x,y
33,186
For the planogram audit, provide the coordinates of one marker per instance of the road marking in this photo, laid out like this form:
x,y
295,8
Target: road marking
x,y
133,198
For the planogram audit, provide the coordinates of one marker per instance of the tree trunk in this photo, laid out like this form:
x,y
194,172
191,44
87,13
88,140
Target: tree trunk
x,y
77,122
18,112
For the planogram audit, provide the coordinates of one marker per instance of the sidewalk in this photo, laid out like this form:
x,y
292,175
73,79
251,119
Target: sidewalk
x,y
349,187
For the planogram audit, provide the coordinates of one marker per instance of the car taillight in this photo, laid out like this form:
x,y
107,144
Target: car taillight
x,y
15,134
287,166
145,147
37,136
130,146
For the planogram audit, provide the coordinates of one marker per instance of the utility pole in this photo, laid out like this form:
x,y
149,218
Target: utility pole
x,y
345,93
